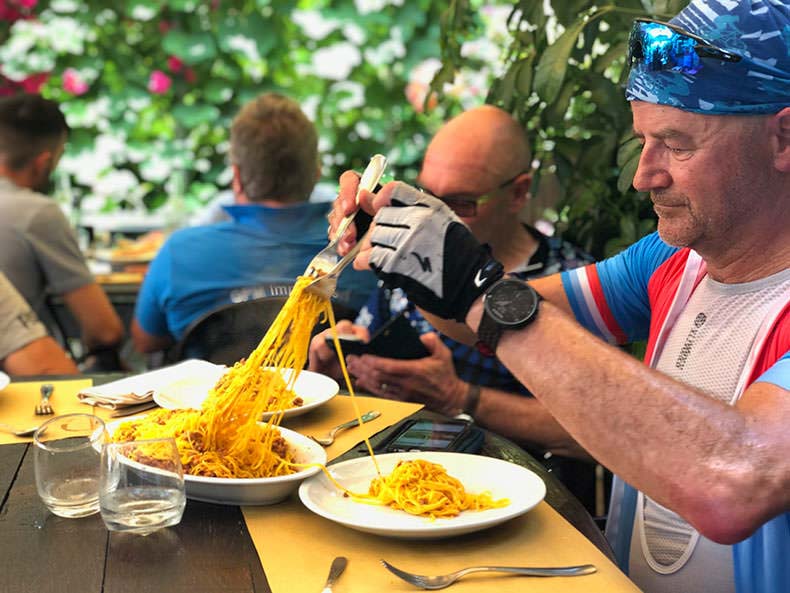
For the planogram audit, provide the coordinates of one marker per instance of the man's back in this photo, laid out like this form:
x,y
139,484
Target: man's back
x,y
38,250
260,253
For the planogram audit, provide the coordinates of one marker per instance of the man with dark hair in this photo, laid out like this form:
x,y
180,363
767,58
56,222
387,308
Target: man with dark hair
x,y
38,249
273,233
25,347
699,437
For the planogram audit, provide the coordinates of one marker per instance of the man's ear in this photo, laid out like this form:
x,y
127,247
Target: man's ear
x,y
520,191
781,135
235,184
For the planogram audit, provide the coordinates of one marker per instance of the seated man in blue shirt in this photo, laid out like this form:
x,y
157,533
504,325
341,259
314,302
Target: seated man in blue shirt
x,y
273,234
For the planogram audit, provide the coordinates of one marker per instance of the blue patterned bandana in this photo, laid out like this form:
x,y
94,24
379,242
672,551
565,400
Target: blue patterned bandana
x,y
756,30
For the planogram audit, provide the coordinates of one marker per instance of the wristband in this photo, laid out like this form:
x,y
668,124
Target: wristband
x,y
472,399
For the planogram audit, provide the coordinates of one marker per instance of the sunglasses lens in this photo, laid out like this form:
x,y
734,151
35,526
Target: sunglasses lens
x,y
463,208
657,47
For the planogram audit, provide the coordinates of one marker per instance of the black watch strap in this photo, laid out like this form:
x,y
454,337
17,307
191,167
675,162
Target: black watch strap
x,y
490,330
488,334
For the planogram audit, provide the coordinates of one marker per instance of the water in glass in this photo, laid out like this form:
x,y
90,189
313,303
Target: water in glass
x,y
67,453
142,486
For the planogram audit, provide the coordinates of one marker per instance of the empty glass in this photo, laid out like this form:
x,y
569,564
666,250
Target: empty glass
x,y
142,486
67,454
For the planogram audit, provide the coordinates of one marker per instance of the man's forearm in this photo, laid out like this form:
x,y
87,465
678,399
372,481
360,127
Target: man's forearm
x,y
525,420
684,449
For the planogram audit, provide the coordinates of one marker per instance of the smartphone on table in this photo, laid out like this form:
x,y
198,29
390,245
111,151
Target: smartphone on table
x,y
434,435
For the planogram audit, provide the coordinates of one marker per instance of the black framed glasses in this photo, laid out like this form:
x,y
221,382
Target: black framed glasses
x,y
465,205
663,46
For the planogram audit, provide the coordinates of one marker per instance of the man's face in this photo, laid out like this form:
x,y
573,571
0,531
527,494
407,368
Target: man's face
x,y
468,183
701,172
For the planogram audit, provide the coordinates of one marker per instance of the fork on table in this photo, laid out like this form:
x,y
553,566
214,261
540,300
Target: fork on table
x,y
43,408
445,580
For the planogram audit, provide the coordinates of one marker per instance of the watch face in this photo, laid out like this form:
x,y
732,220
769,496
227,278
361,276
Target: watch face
x,y
511,302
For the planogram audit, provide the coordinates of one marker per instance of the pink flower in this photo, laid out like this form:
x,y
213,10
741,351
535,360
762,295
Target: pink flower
x,y
27,3
33,83
159,83
73,83
189,75
164,27
174,64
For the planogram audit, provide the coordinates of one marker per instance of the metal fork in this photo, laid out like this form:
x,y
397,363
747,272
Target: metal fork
x,y
330,438
445,580
43,408
325,266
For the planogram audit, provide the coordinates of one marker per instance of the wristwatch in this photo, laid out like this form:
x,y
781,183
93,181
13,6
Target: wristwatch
x,y
508,304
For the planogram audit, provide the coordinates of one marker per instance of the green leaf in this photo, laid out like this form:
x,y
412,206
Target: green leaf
x,y
191,48
550,73
193,115
627,173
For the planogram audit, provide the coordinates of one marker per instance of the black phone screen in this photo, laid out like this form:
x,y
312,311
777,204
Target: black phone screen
x,y
427,435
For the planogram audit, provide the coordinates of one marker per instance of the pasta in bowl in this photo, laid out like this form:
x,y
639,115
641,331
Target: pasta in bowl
x,y
301,451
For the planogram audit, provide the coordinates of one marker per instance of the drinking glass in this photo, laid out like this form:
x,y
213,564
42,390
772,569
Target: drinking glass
x,y
141,488
67,452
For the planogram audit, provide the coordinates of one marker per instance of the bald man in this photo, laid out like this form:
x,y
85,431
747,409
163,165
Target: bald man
x,y
479,165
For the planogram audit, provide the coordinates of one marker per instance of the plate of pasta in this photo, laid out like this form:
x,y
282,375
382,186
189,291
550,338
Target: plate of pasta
x,y
310,390
284,456
503,491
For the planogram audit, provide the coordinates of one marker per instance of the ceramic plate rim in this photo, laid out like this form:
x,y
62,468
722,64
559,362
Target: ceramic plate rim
x,y
304,443
333,388
409,527
4,380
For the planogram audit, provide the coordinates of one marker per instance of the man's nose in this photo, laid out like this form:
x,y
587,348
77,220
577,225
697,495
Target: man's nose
x,y
651,174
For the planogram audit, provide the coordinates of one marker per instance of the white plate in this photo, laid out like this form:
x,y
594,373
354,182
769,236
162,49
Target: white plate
x,y
252,491
4,380
476,472
314,389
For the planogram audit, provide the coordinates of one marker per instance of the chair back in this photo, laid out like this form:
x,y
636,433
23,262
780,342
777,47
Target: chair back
x,y
230,332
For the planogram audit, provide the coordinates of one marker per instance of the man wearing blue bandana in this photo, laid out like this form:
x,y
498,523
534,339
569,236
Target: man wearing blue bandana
x,y
698,437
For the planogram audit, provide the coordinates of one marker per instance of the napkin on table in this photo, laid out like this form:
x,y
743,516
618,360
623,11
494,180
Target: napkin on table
x,y
191,378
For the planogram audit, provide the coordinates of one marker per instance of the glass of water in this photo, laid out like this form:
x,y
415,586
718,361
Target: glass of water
x,y
67,451
141,487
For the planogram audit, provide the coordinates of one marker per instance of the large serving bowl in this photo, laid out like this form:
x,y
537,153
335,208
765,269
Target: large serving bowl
x,y
254,491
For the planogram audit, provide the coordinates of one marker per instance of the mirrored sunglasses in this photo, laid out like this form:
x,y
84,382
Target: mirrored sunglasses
x,y
661,46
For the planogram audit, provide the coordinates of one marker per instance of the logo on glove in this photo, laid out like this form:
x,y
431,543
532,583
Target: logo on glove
x,y
425,262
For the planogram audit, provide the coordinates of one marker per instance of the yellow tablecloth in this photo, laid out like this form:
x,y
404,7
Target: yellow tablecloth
x,y
18,401
340,409
296,548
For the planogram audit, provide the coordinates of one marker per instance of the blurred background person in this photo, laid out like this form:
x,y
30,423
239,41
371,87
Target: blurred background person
x,y
39,253
25,346
273,233
479,164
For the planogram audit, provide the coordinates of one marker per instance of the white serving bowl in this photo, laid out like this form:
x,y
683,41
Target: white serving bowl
x,y
254,491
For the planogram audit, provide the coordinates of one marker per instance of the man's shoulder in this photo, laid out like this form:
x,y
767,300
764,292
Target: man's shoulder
x,y
26,204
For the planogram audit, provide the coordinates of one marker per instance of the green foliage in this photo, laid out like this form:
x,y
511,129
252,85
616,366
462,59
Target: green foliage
x,y
138,142
564,79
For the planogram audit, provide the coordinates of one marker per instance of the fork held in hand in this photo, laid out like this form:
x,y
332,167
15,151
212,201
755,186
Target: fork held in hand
x,y
43,408
445,580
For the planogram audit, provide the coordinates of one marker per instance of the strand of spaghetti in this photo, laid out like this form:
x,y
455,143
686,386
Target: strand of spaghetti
x,y
347,379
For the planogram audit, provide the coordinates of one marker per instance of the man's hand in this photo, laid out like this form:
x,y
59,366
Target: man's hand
x,y
322,356
419,244
430,380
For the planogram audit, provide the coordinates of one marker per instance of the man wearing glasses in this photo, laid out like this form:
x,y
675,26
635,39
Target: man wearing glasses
x,y
479,165
702,433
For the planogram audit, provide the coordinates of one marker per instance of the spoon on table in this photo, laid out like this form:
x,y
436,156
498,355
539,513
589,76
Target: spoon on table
x,y
20,432
330,438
